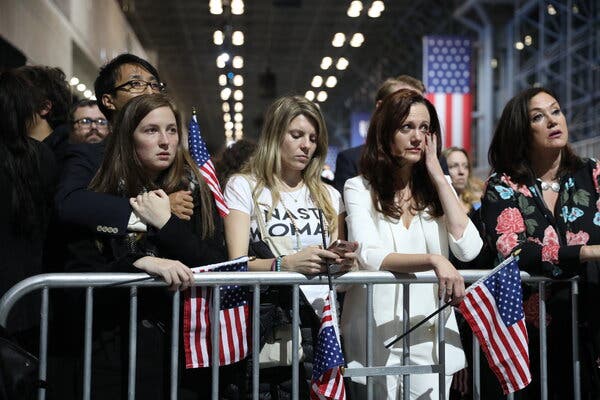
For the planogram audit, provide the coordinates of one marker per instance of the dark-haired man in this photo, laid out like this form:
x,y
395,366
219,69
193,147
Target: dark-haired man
x,y
88,124
124,77
120,80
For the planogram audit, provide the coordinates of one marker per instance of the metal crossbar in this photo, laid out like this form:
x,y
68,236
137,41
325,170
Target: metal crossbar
x,y
89,281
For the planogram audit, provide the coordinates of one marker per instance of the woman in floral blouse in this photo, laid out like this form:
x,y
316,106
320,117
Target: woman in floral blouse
x,y
544,200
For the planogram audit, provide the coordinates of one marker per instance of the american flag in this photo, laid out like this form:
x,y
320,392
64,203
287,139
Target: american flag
x,y
199,153
327,382
233,319
493,307
447,78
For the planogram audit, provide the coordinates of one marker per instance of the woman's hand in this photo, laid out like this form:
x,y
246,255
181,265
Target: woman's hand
x,y
460,381
348,261
310,260
182,204
174,273
451,285
152,207
432,161
589,253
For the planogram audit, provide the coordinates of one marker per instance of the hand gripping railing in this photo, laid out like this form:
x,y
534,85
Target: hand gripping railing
x,y
256,280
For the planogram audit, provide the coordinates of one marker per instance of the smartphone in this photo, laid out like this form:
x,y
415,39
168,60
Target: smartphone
x,y
340,247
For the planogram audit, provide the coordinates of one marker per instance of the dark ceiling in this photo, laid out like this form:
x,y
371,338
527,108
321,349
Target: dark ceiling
x,y
288,38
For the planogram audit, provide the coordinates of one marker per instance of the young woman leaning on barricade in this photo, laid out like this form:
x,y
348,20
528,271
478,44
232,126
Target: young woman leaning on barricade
x,y
275,205
145,161
404,213
545,200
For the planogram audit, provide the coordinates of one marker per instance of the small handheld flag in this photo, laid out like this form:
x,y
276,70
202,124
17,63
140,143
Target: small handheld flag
x,y
493,307
327,382
199,153
233,319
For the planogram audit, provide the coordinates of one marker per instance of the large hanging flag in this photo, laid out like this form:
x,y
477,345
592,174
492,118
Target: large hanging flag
x,y
199,153
447,78
327,382
493,307
233,319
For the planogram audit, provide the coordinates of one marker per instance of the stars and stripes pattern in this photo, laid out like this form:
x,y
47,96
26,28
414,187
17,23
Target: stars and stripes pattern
x,y
327,382
493,307
199,153
447,78
233,319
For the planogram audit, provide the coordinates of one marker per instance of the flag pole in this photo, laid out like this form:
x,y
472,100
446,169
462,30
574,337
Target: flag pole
x,y
325,247
436,312
427,318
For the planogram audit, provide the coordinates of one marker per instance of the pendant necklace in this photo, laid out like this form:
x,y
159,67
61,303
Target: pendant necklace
x,y
295,198
298,245
554,186
299,191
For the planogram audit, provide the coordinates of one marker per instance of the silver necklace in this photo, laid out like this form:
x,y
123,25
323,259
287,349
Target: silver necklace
x,y
295,198
554,186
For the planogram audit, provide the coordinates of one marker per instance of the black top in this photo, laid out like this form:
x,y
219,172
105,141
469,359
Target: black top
x,y
76,204
515,216
346,166
22,256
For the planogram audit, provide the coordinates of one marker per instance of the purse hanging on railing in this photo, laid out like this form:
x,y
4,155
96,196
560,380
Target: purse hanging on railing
x,y
18,371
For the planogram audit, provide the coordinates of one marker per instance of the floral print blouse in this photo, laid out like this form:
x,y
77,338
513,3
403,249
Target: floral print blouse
x,y
516,217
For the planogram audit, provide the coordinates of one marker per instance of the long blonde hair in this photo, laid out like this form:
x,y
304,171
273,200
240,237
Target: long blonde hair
x,y
474,188
265,164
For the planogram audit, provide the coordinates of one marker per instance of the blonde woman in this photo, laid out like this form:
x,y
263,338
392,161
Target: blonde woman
x,y
468,187
279,196
279,199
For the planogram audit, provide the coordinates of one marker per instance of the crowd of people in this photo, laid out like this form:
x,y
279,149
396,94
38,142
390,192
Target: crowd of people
x,y
108,186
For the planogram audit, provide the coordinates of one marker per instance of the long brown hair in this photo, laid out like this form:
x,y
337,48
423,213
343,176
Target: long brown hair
x,y
265,164
380,167
122,174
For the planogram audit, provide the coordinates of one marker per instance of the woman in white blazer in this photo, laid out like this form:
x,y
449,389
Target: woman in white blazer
x,y
405,214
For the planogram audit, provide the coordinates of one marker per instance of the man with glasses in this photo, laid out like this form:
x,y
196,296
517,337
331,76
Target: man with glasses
x,y
121,79
88,124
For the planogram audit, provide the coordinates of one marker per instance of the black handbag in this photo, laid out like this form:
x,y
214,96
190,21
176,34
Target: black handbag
x,y
18,371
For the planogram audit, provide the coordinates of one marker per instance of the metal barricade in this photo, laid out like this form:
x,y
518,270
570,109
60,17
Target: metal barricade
x,y
255,280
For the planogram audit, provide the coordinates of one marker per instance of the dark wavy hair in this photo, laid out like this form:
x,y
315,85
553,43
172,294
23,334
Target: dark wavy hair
x,y
52,84
19,155
379,166
510,150
233,159
122,174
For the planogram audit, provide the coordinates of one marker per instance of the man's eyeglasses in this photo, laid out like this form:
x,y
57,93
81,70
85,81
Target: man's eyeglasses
x,y
139,86
87,122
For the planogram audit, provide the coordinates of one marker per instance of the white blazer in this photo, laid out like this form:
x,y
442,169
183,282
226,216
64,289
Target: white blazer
x,y
379,236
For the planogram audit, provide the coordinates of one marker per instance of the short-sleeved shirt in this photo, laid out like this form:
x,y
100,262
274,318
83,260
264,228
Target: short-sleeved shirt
x,y
304,218
304,213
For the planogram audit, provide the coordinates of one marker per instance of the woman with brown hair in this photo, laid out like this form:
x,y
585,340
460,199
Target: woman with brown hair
x,y
544,200
145,161
404,213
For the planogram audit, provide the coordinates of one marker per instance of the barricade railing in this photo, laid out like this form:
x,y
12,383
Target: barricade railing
x,y
255,280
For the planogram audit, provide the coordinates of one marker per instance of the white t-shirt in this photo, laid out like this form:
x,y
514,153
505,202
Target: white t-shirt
x,y
304,213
